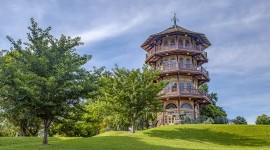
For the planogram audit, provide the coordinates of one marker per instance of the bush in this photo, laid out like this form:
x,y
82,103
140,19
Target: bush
x,y
239,120
263,119
209,121
220,120
7,129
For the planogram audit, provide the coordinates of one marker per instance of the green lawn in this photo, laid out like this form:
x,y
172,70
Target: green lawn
x,y
186,137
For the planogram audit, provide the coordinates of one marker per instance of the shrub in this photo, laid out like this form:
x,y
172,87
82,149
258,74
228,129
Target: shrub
x,y
239,120
263,119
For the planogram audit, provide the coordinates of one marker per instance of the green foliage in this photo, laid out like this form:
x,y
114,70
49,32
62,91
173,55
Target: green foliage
x,y
7,128
213,111
44,75
203,87
239,120
174,137
221,120
209,121
89,119
85,123
132,95
263,119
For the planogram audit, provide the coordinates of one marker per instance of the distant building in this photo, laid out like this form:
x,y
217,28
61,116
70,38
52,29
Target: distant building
x,y
179,55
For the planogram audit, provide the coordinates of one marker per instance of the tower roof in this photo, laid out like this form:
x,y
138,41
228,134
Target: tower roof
x,y
175,29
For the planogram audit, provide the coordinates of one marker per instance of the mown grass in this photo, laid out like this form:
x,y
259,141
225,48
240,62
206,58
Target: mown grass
x,y
186,137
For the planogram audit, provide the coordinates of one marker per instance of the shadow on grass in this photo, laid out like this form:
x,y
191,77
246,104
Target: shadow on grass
x,y
111,143
206,135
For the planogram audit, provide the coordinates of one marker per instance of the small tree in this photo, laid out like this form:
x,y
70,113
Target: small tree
x,y
132,93
263,119
239,120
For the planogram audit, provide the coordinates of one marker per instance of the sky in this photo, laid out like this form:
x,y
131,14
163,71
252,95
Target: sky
x,y
113,31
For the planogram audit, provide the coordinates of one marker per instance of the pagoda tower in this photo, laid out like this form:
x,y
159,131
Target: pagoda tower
x,y
179,54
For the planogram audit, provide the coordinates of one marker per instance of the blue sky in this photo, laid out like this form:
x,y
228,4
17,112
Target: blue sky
x,y
239,30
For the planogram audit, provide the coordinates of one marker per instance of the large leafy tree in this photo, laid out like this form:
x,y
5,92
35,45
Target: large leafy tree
x,y
132,93
263,119
50,79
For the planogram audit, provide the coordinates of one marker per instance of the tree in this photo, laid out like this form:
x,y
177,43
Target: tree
x,y
239,120
88,121
263,119
50,80
132,93
212,110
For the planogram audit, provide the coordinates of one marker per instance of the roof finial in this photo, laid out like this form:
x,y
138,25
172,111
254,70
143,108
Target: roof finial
x,y
174,19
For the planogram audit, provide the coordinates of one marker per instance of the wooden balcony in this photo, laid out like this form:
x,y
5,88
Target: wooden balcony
x,y
160,51
192,93
184,69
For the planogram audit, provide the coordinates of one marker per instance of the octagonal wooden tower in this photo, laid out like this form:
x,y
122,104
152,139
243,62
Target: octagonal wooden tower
x,y
179,55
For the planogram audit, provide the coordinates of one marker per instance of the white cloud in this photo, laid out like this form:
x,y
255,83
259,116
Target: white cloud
x,y
239,59
111,29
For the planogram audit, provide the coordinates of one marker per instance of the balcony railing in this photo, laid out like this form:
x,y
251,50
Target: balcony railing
x,y
179,66
180,46
184,92
160,48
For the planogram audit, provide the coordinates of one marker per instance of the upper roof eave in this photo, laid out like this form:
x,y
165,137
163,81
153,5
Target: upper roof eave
x,y
176,29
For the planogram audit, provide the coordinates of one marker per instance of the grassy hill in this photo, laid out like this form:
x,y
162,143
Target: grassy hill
x,y
186,137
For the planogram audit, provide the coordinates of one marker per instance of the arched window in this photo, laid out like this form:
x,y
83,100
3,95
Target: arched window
x,y
187,63
171,106
180,43
173,63
166,64
181,62
172,45
174,87
186,105
165,45
182,86
189,87
187,43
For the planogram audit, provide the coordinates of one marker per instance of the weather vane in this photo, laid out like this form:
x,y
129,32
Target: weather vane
x,y
174,19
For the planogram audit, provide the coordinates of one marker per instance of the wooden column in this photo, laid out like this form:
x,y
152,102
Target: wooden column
x,y
194,111
163,117
177,47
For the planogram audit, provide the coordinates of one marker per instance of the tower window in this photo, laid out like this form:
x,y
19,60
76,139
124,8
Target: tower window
x,y
186,105
181,62
180,43
174,87
166,64
165,45
187,44
171,106
187,63
172,45
173,63
182,86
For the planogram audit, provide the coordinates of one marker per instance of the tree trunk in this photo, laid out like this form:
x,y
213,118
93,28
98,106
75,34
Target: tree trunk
x,y
23,128
47,123
133,125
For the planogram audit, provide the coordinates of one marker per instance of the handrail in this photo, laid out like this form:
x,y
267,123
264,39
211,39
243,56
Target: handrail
x,y
185,91
180,66
159,48
172,47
